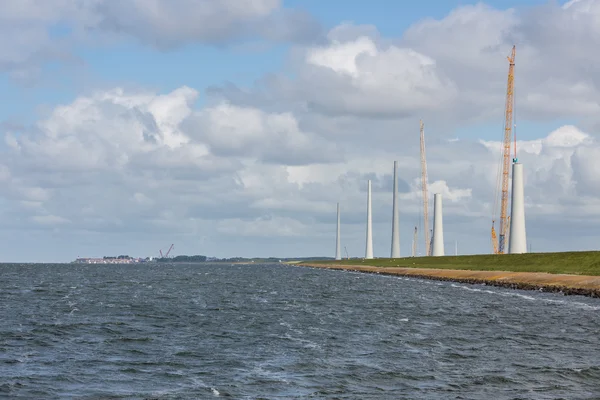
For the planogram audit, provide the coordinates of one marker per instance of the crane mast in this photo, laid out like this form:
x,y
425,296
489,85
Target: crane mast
x,y
424,188
500,245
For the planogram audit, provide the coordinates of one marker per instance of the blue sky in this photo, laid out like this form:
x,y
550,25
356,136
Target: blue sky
x,y
303,117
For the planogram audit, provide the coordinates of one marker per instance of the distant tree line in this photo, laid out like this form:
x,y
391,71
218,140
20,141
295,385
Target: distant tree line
x,y
116,258
269,259
199,258
182,259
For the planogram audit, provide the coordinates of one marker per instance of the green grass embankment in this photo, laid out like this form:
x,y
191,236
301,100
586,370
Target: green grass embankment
x,y
575,263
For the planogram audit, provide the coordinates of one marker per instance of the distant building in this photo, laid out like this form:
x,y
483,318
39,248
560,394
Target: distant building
x,y
110,260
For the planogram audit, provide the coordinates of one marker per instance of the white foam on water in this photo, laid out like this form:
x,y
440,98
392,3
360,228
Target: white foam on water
x,y
259,299
508,293
565,302
577,304
523,296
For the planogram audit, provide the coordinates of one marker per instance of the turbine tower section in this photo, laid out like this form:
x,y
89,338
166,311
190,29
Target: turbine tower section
x,y
518,239
414,243
395,251
369,244
437,244
424,189
338,247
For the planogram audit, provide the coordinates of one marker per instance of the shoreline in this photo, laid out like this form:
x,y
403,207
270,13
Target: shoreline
x,y
583,285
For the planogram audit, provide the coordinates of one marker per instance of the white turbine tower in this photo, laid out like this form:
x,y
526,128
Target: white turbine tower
x,y
369,246
395,253
338,247
517,240
438,226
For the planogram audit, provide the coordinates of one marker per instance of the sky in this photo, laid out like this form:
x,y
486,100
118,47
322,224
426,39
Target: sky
x,y
233,128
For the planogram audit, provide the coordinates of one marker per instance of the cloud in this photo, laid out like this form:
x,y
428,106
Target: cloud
x,y
104,131
117,162
450,71
26,27
251,133
128,156
552,74
262,227
48,31
356,74
49,220
169,23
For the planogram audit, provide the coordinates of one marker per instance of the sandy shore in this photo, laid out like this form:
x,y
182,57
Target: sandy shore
x,y
567,284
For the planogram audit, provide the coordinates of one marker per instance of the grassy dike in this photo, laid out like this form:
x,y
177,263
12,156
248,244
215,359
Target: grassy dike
x,y
568,272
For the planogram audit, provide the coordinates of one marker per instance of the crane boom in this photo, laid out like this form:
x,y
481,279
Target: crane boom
x,y
424,188
500,245
494,239
170,248
506,156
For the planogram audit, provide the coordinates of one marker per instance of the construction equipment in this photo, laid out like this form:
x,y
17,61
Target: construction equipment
x,y
424,189
346,250
499,245
167,254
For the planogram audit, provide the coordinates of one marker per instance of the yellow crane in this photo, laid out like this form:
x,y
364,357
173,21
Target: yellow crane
x,y
499,244
424,188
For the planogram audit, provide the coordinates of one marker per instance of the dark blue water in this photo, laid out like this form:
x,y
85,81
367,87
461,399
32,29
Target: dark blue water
x,y
270,331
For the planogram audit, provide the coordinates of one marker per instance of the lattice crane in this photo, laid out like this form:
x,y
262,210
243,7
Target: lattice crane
x,y
424,188
168,251
500,244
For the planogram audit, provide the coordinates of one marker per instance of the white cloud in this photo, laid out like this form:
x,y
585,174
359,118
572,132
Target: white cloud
x,y
105,130
49,220
356,74
38,31
262,227
167,23
552,74
25,26
342,57
91,167
115,157
251,133
451,71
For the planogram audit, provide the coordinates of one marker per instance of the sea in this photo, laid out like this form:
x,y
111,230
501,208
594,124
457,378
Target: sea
x,y
276,331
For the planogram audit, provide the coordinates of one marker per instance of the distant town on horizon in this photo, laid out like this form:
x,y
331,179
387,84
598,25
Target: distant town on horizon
x,y
125,259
